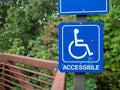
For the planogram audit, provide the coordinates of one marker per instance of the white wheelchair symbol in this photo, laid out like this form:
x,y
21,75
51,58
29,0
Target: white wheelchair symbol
x,y
76,42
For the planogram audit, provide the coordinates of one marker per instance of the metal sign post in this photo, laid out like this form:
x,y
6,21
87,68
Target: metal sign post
x,y
79,81
79,78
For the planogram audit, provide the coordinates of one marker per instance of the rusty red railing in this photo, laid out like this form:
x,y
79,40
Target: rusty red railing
x,y
26,73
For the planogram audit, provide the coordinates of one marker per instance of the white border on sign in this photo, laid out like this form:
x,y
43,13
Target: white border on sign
x,y
83,11
81,61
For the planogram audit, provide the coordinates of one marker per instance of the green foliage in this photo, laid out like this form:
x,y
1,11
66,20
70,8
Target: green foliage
x,y
70,81
33,50
17,47
25,21
110,81
47,42
90,82
111,47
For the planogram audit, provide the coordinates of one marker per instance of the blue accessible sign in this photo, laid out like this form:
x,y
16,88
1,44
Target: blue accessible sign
x,y
83,6
81,47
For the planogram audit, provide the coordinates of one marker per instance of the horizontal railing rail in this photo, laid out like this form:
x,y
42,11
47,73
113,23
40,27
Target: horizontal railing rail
x,y
27,73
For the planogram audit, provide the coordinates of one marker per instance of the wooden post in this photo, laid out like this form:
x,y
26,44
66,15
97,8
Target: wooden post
x,y
79,78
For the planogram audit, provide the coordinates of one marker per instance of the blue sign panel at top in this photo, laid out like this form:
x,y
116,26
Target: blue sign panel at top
x,y
83,6
81,47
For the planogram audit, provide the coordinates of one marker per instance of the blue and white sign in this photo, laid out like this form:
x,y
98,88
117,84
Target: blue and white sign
x,y
81,47
83,6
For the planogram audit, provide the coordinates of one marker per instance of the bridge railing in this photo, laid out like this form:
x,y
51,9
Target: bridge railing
x,y
26,73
